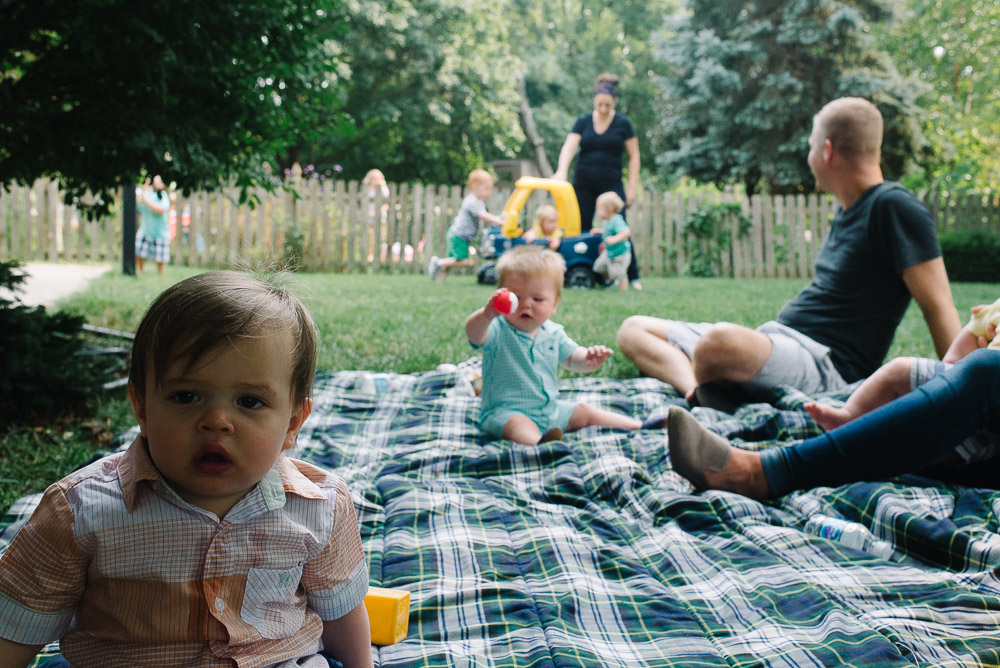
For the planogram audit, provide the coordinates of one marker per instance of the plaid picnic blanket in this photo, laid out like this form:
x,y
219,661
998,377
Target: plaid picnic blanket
x,y
593,552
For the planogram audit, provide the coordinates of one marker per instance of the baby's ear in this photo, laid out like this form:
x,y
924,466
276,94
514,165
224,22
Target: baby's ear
x,y
138,407
295,423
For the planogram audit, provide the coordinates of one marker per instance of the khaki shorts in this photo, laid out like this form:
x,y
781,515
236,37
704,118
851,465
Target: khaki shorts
x,y
795,359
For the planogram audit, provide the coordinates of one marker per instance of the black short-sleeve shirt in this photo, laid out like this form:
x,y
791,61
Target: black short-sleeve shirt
x,y
600,156
857,298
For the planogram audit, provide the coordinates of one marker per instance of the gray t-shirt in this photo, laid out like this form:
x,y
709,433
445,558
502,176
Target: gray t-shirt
x,y
857,297
466,223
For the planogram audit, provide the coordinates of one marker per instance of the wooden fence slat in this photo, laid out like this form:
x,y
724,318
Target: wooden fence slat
x,y
656,240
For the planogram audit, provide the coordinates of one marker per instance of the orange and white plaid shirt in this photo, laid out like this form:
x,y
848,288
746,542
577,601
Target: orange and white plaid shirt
x,y
125,572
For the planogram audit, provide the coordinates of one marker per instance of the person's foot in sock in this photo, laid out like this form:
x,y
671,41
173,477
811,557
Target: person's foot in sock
x,y
708,461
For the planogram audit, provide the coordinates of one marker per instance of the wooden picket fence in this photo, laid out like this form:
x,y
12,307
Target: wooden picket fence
x,y
334,226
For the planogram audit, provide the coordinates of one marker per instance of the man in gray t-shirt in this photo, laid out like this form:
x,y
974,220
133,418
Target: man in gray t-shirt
x,y
882,249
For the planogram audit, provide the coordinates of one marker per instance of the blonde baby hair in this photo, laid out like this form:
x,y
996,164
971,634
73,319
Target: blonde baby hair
x,y
533,261
545,211
611,200
479,176
373,175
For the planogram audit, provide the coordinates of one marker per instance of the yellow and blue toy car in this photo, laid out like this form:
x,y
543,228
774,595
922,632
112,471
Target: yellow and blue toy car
x,y
578,250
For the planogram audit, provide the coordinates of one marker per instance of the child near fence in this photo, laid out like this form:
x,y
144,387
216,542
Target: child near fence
x,y
465,228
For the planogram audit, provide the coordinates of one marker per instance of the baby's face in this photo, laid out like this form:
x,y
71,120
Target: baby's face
x,y
482,189
216,429
537,299
605,212
550,224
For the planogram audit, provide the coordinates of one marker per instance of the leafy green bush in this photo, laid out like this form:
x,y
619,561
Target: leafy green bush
x,y
44,376
971,255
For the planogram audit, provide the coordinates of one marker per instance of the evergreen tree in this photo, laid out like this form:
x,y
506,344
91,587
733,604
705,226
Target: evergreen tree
x,y
749,76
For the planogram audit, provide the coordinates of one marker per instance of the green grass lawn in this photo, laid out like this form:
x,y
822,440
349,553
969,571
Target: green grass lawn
x,y
405,324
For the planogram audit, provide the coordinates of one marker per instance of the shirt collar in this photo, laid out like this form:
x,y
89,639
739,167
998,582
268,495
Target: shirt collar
x,y
544,329
284,477
134,467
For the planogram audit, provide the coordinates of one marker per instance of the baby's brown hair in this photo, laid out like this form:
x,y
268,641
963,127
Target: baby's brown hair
x,y
193,317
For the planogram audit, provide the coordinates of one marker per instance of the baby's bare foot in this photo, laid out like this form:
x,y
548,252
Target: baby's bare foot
x,y
826,416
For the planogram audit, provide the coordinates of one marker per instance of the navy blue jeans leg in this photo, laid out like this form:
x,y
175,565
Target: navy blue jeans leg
x,y
907,434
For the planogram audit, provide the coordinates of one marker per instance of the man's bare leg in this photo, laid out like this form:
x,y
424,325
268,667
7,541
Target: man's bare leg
x,y
644,340
729,353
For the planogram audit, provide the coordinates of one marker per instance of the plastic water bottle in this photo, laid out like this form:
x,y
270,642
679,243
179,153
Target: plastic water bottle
x,y
847,533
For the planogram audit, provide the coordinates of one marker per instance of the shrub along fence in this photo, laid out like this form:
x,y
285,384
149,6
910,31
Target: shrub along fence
x,y
337,226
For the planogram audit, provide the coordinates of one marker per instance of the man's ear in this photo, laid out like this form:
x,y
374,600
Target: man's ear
x,y
295,423
138,407
828,151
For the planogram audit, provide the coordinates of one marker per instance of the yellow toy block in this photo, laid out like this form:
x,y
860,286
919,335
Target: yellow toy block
x,y
388,614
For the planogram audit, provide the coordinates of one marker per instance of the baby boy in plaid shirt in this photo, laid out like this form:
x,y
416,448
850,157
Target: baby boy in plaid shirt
x,y
202,544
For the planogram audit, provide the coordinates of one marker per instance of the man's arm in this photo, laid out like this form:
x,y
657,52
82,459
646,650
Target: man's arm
x,y
928,283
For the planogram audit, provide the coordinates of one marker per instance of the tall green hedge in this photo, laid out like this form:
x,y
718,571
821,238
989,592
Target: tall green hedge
x,y
971,256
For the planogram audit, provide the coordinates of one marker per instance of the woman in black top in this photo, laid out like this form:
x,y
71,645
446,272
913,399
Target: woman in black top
x,y
602,136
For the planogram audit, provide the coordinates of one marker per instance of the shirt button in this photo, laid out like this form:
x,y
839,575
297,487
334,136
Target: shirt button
x,y
220,605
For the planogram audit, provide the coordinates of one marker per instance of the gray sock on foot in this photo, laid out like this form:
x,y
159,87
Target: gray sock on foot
x,y
693,448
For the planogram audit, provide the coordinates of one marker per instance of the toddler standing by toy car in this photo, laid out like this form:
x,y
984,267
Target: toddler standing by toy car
x,y
614,260
465,227
522,351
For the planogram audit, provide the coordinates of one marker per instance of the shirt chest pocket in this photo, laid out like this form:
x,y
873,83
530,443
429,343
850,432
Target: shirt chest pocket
x,y
547,356
270,603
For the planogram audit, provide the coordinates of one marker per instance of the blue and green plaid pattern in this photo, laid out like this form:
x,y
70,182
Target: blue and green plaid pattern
x,y
593,552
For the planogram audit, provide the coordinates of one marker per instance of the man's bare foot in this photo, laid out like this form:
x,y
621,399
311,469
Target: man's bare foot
x,y
828,417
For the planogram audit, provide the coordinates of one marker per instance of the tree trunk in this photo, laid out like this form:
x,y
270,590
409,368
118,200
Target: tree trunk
x,y
530,131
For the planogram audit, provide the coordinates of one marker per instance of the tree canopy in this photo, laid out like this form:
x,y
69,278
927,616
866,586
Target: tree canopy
x,y
95,93
951,46
429,89
748,78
